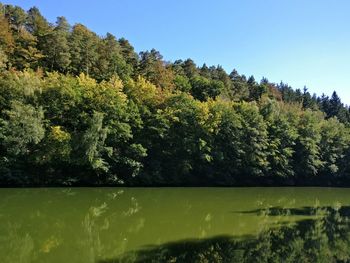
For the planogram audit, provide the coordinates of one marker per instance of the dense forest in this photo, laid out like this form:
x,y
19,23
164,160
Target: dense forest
x,y
77,108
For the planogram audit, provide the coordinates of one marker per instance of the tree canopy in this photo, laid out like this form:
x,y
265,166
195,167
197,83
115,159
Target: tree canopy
x,y
81,109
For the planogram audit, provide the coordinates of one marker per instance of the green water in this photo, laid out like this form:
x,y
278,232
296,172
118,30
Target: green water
x,y
170,224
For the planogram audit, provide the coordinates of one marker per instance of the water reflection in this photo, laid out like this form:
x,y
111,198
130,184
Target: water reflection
x,y
20,245
174,225
326,238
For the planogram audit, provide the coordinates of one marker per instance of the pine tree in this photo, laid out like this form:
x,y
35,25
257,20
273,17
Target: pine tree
x,y
56,48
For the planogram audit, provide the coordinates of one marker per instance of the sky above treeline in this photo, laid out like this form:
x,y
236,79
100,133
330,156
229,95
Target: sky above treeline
x,y
303,43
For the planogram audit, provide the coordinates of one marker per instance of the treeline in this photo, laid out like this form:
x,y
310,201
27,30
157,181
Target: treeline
x,y
80,109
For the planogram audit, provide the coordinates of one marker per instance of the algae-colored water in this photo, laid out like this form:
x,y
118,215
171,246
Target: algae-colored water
x,y
105,224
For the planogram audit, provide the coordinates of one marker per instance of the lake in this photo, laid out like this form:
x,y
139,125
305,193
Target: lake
x,y
108,225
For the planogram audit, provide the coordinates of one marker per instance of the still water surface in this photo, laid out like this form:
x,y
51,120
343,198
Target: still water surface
x,y
174,224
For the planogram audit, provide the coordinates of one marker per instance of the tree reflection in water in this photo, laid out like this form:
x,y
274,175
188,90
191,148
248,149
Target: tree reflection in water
x,y
323,238
139,225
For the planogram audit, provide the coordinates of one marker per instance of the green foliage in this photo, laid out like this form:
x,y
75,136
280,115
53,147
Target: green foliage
x,y
227,144
239,89
203,88
110,61
55,148
56,47
83,49
182,83
307,148
6,37
22,128
77,108
16,16
282,135
93,143
152,67
3,60
128,53
26,54
254,162
335,140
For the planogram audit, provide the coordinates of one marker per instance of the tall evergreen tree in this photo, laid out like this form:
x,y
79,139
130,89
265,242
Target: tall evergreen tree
x,y
83,49
56,47
334,105
128,52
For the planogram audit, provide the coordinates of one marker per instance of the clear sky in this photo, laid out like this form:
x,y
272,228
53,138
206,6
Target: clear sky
x,y
302,42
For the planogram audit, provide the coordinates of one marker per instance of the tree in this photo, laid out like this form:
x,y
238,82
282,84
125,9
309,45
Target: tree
x,y
55,149
239,89
177,68
255,90
26,55
307,159
93,144
56,48
334,105
282,134
309,102
3,60
36,24
110,60
182,83
16,16
179,144
227,146
190,68
142,92
204,71
254,135
203,88
152,67
6,37
324,104
83,49
128,52
120,154
23,129
333,145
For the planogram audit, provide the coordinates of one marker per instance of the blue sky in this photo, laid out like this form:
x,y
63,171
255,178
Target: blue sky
x,y
302,42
